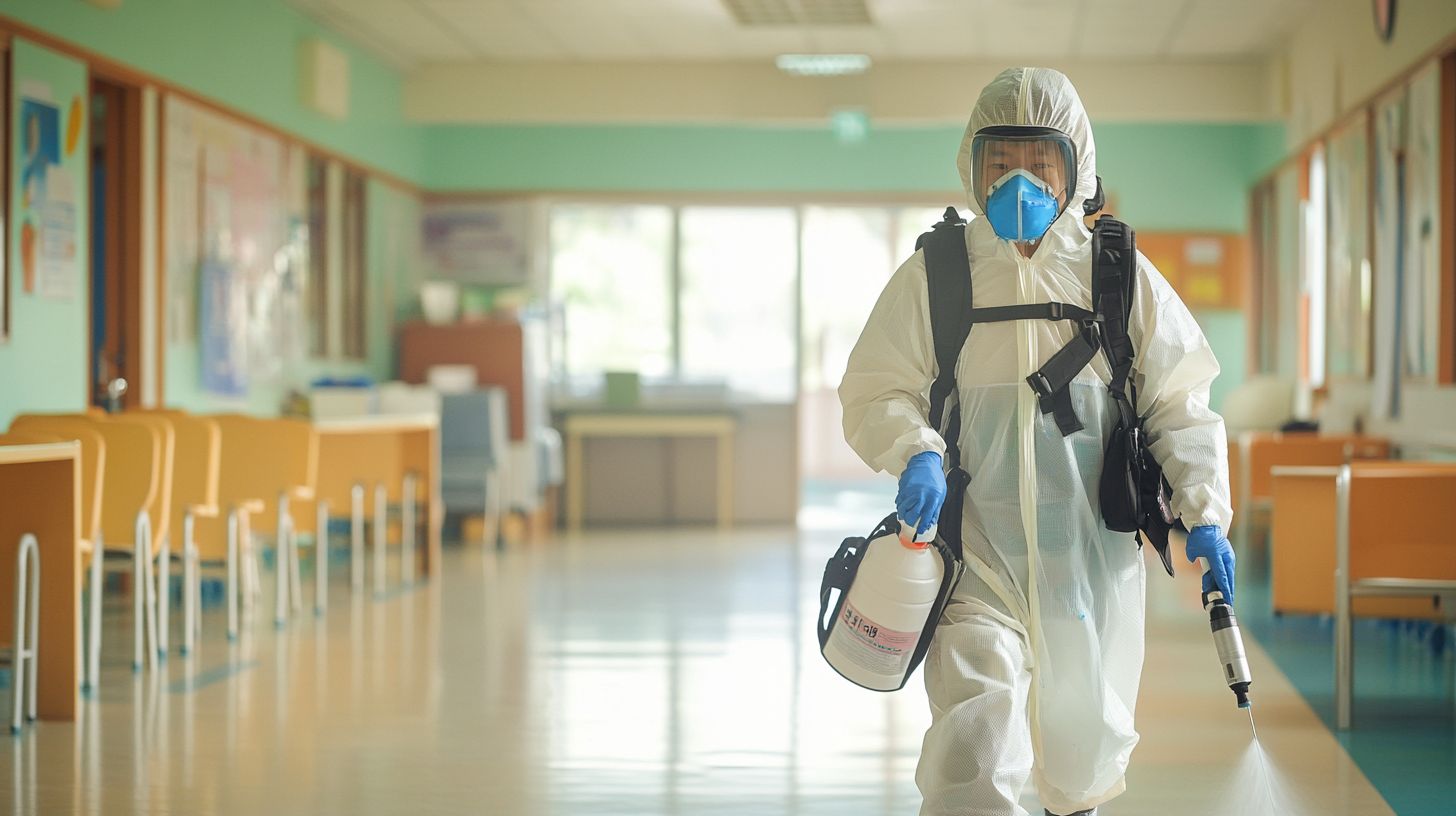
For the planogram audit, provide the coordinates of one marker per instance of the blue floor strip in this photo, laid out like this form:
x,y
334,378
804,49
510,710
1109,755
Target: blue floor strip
x,y
1404,719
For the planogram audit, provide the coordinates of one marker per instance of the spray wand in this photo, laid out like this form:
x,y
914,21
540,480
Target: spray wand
x,y
1230,645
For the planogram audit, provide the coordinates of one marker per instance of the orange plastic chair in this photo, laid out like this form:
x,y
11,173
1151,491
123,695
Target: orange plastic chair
x,y
264,459
195,466
131,479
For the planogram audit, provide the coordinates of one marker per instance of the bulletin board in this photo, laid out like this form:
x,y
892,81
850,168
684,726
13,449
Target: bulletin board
x,y
235,246
1207,270
49,156
481,241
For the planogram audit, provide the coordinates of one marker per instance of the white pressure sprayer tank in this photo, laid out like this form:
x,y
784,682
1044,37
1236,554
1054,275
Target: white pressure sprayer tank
x,y
886,609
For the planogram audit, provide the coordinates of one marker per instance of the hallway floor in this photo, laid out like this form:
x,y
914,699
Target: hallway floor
x,y
662,672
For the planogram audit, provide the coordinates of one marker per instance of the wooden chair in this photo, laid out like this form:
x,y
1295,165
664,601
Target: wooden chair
x,y
263,458
195,467
1258,452
130,467
1361,540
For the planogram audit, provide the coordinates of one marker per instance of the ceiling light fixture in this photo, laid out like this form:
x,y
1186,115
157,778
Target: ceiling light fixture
x,y
823,64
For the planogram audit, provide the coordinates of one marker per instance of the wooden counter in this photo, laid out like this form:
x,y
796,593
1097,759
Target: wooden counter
x,y
40,493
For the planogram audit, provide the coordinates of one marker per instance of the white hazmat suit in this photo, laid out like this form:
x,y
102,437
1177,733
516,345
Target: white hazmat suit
x,y
1034,668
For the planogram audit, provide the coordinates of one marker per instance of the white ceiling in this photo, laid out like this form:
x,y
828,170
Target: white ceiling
x,y
410,33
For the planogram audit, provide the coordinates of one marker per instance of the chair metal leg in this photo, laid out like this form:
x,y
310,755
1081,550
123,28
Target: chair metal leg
x,y
295,583
407,530
1344,642
138,592
27,618
149,587
356,537
232,575
321,560
164,597
381,539
252,570
191,587
93,640
280,563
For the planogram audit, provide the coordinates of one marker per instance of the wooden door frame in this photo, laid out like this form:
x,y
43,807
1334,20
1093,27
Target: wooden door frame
x,y
124,224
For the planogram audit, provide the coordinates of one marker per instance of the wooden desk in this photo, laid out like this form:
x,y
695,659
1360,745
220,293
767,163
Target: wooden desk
x,y
40,493
1395,530
647,425
382,449
1251,460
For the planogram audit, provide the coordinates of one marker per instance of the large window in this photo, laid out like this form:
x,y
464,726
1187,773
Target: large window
x,y
611,279
765,302
738,279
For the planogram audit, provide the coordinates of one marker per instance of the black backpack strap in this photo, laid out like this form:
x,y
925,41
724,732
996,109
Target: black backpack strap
x,y
948,274
1031,311
948,277
1114,276
1052,381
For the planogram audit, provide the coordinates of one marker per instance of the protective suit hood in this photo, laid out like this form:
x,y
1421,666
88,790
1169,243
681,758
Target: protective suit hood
x,y
1039,97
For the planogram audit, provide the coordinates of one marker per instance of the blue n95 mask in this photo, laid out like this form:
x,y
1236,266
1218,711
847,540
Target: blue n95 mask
x,y
1021,207
1021,176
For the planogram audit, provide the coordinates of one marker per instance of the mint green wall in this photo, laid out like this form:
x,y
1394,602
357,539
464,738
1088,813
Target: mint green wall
x,y
1165,177
245,54
44,361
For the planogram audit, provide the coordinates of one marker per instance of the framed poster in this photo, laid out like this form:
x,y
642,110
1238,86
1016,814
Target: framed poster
x,y
481,241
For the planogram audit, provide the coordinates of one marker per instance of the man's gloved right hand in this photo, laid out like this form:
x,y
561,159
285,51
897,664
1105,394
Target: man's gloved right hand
x,y
922,489
1209,542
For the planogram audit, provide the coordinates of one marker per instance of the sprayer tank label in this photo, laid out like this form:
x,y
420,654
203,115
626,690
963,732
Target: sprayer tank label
x,y
873,647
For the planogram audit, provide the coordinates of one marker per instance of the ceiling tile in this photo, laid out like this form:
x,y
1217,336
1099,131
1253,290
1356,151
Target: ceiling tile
x,y
497,28
846,40
1032,29
1234,28
1124,29
590,29
407,27
929,29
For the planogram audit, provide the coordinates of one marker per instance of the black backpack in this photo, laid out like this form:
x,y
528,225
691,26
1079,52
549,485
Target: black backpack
x,y
1133,491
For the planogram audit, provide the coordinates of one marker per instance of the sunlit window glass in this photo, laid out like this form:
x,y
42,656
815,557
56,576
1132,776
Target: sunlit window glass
x,y
611,280
738,294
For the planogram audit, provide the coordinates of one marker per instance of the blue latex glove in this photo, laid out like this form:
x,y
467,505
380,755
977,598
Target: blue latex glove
x,y
922,489
1209,542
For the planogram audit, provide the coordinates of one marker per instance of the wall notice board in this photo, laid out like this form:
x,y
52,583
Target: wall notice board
x,y
49,155
1207,270
235,246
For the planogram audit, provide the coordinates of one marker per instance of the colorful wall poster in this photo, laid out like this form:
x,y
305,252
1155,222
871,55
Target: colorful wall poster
x,y
48,159
234,255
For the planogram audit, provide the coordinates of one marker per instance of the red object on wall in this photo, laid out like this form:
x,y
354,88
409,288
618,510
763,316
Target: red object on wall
x,y
495,347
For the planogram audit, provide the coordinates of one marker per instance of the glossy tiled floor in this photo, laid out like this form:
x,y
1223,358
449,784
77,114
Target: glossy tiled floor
x,y
664,672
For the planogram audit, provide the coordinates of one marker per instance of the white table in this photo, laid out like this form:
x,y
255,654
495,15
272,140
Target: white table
x,y
647,425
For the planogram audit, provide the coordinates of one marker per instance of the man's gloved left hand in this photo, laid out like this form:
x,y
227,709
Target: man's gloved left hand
x,y
1209,542
922,489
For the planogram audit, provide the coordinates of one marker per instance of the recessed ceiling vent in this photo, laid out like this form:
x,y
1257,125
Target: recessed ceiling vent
x,y
799,12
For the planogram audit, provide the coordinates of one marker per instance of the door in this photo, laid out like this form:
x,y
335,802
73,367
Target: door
x,y
116,288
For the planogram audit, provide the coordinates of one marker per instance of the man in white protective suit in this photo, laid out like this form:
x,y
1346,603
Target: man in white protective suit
x,y
1034,668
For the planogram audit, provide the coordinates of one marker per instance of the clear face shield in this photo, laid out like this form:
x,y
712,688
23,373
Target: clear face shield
x,y
1022,178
